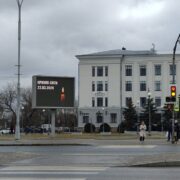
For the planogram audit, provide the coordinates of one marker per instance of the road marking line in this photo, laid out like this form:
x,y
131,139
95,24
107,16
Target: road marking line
x,y
97,154
127,146
52,168
47,173
24,178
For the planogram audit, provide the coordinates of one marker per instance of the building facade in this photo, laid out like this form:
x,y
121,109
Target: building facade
x,y
107,80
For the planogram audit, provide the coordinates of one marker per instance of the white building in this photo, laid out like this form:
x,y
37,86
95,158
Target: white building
x,y
108,79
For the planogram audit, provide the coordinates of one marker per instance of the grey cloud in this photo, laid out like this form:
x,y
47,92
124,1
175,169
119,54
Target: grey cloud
x,y
53,32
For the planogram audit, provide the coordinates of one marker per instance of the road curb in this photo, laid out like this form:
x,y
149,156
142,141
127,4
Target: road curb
x,y
45,144
159,164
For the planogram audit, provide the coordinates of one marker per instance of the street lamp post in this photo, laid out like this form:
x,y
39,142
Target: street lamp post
x,y
137,116
17,133
22,109
103,118
162,128
149,110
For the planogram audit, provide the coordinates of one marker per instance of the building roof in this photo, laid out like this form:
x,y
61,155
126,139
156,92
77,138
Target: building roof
x,y
118,52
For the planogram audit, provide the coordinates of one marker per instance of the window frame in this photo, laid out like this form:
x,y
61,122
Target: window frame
x,y
160,101
128,70
143,104
99,101
99,71
142,86
171,69
99,86
157,71
93,71
157,86
142,70
128,86
113,117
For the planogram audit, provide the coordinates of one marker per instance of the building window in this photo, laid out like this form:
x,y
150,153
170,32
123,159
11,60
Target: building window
x,y
106,70
171,69
128,99
99,102
142,101
93,101
157,86
143,86
128,69
106,86
99,86
158,101
99,117
128,86
93,71
157,69
106,101
86,118
93,86
100,71
142,70
113,118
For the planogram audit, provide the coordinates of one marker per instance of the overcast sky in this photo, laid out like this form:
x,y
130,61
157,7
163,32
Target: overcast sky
x,y
54,31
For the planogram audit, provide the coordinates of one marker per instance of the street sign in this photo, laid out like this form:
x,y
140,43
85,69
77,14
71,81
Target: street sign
x,y
176,108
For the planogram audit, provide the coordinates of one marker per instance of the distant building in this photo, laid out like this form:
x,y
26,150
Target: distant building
x,y
108,79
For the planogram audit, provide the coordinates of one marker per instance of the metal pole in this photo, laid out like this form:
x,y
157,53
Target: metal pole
x,y
149,110
17,132
149,116
137,116
179,107
91,126
53,113
121,113
103,119
173,82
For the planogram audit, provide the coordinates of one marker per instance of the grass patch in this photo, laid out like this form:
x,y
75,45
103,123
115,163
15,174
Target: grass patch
x,y
97,136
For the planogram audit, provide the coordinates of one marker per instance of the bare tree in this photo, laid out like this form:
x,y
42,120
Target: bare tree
x,y
8,101
29,116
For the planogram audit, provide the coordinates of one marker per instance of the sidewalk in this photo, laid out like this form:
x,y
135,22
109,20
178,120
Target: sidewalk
x,y
82,139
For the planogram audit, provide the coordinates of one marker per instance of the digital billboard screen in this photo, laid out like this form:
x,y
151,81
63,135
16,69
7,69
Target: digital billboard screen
x,y
53,92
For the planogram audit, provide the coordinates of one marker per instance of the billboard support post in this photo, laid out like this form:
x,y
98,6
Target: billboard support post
x,y
53,113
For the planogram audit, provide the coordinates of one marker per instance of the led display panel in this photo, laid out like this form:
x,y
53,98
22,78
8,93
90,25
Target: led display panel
x,y
53,92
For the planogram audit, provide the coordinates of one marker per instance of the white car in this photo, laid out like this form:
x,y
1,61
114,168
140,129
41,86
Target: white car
x,y
5,131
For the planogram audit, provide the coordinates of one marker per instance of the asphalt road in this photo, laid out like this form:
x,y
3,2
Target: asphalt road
x,y
85,162
103,155
87,173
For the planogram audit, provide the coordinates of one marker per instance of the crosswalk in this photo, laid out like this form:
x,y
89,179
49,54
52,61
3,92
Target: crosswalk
x,y
49,172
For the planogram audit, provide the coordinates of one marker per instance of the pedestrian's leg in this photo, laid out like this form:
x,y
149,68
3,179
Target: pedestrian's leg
x,y
141,139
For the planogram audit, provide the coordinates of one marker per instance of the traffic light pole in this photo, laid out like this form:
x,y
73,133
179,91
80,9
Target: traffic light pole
x,y
173,82
173,134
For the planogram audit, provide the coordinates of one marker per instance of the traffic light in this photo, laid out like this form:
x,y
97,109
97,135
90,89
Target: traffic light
x,y
173,93
168,107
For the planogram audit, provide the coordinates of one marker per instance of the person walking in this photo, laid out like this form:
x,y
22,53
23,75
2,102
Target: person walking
x,y
142,131
176,128
169,132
